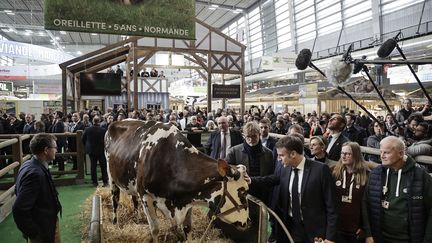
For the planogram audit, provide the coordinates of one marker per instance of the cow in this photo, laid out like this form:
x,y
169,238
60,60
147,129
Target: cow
x,y
160,168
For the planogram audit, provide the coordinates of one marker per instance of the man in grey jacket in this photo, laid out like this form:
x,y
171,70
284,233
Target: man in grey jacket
x,y
257,158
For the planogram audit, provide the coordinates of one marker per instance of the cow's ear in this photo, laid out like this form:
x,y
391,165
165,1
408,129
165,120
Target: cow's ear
x,y
223,167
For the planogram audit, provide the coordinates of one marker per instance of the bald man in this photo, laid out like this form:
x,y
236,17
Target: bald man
x,y
398,198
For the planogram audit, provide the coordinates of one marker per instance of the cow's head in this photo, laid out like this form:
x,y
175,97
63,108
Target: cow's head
x,y
233,208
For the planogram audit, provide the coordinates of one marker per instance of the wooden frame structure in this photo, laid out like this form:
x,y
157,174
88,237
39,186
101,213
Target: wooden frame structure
x,y
211,53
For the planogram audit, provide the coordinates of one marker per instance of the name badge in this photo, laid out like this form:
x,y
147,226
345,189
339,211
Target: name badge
x,y
346,199
385,204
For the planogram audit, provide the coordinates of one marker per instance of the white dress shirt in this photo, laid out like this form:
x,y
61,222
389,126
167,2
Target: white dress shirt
x,y
334,137
228,141
300,168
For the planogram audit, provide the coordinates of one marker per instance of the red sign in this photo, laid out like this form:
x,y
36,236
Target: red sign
x,y
13,77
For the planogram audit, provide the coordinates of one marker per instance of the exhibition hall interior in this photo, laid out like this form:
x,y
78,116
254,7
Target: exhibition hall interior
x,y
178,120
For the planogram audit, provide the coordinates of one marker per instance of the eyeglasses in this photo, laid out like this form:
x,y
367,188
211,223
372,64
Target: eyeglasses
x,y
346,154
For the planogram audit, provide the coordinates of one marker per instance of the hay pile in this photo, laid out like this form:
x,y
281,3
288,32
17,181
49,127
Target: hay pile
x,y
132,226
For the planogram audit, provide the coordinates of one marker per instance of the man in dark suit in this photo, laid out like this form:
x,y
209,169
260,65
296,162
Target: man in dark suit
x,y
76,125
93,138
336,139
266,140
37,205
306,198
222,139
59,127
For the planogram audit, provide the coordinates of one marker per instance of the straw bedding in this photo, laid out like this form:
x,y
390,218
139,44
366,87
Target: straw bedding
x,y
132,226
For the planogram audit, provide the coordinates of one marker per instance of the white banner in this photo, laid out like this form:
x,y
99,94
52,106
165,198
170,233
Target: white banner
x,y
279,61
31,71
34,52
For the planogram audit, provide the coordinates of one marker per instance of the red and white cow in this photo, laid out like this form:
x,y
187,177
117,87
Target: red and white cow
x,y
156,164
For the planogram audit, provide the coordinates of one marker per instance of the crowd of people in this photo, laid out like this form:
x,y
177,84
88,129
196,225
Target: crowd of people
x,y
327,190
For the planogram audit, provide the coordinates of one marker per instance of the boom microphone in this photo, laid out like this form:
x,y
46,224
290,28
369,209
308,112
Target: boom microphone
x,y
303,59
386,48
347,55
358,66
338,71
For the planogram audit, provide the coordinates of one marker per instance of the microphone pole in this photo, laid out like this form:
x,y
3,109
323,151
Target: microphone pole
x,y
366,70
415,75
352,98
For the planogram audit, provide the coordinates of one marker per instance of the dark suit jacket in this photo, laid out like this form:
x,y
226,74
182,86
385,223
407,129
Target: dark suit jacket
x,y
271,142
59,127
72,140
93,140
213,144
318,204
36,206
335,151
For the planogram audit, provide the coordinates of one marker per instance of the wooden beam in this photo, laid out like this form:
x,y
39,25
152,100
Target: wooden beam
x,y
186,50
100,51
99,59
110,63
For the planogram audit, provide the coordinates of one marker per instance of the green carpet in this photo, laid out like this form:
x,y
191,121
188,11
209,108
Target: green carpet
x,y
72,199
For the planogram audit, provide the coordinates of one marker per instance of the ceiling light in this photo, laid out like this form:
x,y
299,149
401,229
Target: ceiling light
x,y
27,33
215,6
41,33
63,47
212,8
79,52
63,32
94,34
237,11
7,11
57,38
10,13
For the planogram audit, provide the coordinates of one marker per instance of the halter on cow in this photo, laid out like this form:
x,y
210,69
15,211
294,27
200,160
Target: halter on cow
x,y
157,164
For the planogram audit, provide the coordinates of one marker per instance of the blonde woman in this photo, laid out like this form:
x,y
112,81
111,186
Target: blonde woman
x,y
350,175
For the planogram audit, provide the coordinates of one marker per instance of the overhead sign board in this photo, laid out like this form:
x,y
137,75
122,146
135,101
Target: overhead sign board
x,y
6,86
226,91
279,61
164,18
34,52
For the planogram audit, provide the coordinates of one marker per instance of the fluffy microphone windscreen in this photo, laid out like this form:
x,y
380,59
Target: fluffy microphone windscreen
x,y
338,72
386,48
303,59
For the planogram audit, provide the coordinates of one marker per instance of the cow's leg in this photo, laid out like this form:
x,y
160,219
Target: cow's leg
x,y
187,225
150,211
115,196
181,223
135,202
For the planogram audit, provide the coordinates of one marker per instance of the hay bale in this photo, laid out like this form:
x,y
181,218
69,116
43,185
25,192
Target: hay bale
x,y
132,226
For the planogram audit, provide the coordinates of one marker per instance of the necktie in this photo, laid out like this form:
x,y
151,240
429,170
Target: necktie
x,y
295,198
330,139
223,147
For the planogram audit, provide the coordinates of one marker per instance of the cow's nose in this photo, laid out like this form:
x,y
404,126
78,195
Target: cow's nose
x,y
248,223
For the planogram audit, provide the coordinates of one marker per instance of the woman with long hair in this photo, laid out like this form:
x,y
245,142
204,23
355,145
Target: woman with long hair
x,y
350,175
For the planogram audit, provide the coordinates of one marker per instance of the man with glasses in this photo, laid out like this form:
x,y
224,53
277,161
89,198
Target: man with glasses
x,y
37,205
257,158
222,139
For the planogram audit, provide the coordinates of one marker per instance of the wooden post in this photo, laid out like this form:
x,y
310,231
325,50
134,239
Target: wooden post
x,y
80,157
64,91
135,75
17,154
242,83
